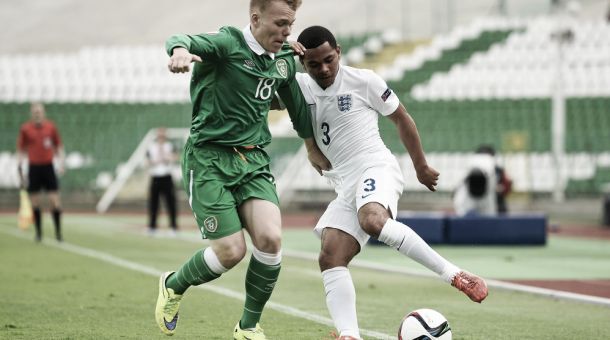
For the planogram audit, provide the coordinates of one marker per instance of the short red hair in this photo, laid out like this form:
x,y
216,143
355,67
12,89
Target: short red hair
x,y
262,4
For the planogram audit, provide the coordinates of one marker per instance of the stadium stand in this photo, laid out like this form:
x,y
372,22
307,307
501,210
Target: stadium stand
x,y
92,75
525,65
101,134
489,82
104,108
481,84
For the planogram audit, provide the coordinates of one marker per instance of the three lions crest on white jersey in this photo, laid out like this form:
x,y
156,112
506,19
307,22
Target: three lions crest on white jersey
x,y
345,115
344,102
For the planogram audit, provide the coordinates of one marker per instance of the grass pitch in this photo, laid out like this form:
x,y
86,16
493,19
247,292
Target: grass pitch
x,y
102,284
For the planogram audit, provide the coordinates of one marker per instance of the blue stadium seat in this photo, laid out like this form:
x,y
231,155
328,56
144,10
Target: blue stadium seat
x,y
429,226
497,230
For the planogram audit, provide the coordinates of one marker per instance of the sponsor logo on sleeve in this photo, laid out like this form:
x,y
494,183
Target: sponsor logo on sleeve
x,y
386,94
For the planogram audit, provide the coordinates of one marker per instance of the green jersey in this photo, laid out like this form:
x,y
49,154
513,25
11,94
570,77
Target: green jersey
x,y
232,89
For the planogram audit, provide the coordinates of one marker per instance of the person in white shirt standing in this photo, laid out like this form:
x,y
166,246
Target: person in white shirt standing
x,y
345,104
161,158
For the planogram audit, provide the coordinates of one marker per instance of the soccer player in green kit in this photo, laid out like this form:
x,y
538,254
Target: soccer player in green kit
x,y
225,168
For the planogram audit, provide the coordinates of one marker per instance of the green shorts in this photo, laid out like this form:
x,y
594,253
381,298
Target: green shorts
x,y
218,179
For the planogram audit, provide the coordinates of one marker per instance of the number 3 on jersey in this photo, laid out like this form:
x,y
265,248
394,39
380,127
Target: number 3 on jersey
x,y
369,187
264,89
325,130
370,184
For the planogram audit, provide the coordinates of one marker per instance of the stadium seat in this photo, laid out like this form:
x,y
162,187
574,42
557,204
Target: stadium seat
x,y
505,230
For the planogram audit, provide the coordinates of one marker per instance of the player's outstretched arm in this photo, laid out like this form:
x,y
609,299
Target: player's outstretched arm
x,y
407,130
181,59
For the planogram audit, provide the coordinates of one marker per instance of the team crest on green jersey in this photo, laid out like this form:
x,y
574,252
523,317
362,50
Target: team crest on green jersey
x,y
210,224
282,68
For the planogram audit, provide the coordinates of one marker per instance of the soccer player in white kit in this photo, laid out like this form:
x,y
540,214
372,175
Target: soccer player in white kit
x,y
345,104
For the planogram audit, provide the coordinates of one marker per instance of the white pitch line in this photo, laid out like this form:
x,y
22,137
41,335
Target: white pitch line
x,y
372,265
549,293
119,262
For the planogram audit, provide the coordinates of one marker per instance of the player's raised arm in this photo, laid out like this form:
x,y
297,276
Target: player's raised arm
x,y
181,59
407,130
184,49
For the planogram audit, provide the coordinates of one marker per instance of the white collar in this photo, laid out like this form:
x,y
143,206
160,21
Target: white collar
x,y
254,45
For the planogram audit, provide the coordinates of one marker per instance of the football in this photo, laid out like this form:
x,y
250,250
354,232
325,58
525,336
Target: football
x,y
424,324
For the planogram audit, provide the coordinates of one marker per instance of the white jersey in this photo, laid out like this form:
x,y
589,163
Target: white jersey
x,y
345,116
345,119
161,157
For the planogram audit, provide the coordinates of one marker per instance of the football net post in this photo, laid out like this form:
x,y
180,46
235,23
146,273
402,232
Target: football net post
x,y
125,171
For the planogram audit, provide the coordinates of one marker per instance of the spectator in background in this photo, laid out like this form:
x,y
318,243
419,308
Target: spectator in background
x,y
503,182
40,139
161,158
476,194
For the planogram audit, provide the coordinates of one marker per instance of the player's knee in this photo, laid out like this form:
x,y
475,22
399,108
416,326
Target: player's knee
x,y
324,261
270,243
372,221
232,260
328,260
231,255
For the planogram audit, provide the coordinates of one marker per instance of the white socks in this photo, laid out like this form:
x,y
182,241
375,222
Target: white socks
x,y
407,242
341,300
267,258
339,288
212,261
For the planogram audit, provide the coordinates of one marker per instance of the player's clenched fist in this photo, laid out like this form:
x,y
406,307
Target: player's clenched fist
x,y
181,60
428,176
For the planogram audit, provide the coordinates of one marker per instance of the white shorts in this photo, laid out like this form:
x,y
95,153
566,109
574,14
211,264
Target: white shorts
x,y
382,183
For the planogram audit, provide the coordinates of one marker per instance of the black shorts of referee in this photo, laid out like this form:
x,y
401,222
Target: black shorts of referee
x,y
42,177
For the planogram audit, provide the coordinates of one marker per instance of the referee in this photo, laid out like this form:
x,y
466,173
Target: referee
x,y
40,139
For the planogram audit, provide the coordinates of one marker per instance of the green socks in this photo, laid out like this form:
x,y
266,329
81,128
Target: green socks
x,y
193,273
260,281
